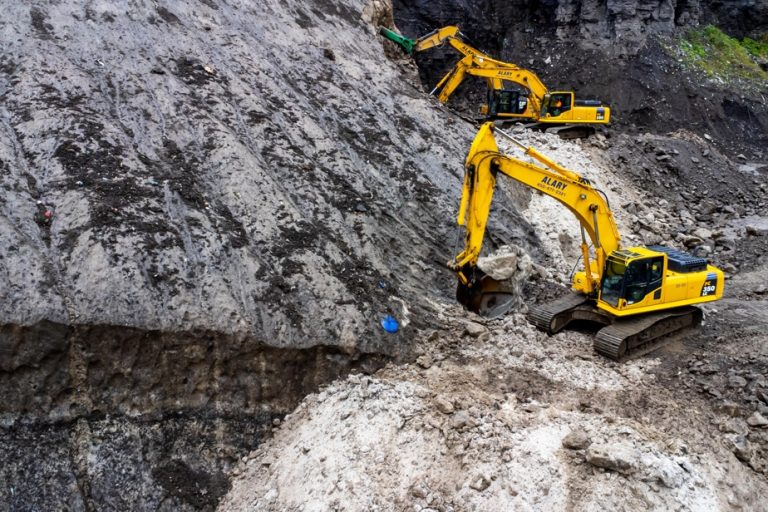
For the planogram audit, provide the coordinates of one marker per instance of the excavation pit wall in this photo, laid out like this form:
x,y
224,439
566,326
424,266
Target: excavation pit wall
x,y
107,417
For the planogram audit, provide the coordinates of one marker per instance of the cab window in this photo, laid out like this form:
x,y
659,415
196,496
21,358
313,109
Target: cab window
x,y
613,279
559,103
635,281
641,278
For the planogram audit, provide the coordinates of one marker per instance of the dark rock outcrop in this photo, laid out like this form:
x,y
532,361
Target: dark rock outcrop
x,y
621,26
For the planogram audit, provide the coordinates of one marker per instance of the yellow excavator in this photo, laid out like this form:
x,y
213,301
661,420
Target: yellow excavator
x,y
638,294
558,111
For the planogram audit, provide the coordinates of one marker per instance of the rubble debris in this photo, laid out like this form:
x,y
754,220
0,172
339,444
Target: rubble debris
x,y
757,420
474,329
618,457
576,440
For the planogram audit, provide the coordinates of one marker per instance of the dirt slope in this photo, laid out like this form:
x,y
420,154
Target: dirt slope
x,y
208,208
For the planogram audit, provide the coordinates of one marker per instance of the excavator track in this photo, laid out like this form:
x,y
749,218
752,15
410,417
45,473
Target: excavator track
x,y
634,336
553,317
572,131
621,338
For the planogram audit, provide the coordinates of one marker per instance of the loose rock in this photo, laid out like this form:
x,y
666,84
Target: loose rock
x,y
618,457
742,449
474,329
757,420
444,405
576,440
480,483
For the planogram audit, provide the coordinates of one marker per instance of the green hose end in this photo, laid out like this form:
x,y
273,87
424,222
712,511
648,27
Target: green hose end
x,y
405,43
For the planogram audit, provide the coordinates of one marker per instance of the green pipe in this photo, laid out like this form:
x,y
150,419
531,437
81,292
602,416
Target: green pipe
x,y
404,42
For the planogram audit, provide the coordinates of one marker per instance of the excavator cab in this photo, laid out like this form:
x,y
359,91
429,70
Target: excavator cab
x,y
506,101
627,282
556,104
646,279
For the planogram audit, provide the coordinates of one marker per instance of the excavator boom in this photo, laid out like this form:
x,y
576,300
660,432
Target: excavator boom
x,y
590,207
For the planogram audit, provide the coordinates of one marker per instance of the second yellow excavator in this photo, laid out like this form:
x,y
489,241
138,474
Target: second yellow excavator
x,y
557,111
638,294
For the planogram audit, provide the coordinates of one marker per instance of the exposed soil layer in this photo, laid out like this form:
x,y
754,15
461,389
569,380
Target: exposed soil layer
x,y
115,462
106,417
59,373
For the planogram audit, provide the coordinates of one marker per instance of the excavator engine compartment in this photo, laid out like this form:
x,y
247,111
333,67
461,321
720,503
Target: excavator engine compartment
x,y
680,261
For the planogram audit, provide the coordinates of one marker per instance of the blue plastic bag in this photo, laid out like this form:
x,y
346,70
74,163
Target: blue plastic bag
x,y
390,324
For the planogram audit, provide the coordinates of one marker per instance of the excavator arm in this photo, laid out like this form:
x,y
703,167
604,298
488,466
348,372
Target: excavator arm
x,y
588,204
519,76
473,62
434,38
449,34
448,84
495,78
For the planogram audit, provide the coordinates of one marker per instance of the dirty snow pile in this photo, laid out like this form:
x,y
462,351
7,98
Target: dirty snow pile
x,y
475,429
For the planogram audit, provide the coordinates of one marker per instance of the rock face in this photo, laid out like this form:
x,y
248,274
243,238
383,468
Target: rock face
x,y
628,22
625,24
226,179
207,208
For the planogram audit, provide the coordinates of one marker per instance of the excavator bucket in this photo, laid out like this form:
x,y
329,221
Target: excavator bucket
x,y
486,296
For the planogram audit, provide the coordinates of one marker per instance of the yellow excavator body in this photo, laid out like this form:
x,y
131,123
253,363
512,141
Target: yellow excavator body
x,y
535,104
650,284
656,284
